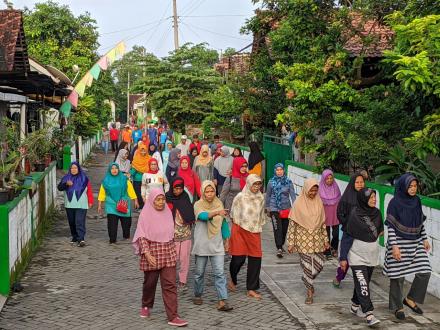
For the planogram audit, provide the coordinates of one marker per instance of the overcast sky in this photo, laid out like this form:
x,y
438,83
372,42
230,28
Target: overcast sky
x,y
149,23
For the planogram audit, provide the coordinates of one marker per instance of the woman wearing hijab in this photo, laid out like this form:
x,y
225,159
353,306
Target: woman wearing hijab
x,y
154,178
307,234
154,153
166,154
183,213
237,152
116,190
407,247
204,164
78,198
123,162
190,178
235,183
256,160
210,230
280,195
153,242
222,168
122,145
193,153
248,218
139,166
173,164
330,196
346,204
360,249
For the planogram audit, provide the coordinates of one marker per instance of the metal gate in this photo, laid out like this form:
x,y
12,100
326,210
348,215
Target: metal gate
x,y
277,150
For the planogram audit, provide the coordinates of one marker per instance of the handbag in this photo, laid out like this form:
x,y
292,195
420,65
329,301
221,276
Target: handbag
x,y
284,214
122,206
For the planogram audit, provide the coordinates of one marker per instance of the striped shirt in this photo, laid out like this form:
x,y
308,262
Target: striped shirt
x,y
414,258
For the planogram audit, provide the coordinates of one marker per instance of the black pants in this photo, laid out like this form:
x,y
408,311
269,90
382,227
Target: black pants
x,y
112,226
77,223
253,271
333,238
417,292
280,227
114,144
361,293
137,185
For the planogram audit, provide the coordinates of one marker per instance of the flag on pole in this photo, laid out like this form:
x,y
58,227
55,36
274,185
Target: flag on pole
x,y
95,71
73,98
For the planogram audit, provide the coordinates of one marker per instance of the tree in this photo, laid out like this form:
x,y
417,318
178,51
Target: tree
x,y
179,87
55,36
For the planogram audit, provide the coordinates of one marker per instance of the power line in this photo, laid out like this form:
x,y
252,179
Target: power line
x,y
195,7
129,28
203,16
216,33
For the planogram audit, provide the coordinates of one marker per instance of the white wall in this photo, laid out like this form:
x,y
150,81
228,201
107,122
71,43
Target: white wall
x,y
432,224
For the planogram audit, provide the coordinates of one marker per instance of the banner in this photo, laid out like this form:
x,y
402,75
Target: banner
x,y
92,74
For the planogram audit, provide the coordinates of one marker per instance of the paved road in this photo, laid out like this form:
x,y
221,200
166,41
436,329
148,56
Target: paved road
x,y
99,287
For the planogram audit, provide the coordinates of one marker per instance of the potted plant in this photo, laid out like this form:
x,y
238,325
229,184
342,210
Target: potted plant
x,y
9,185
37,148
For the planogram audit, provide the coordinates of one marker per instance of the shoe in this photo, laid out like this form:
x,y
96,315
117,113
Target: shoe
x,y
356,310
416,309
178,322
73,241
145,312
197,301
280,253
283,251
82,244
225,308
372,320
400,314
336,283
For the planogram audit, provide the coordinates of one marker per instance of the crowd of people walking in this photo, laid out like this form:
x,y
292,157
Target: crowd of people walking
x,y
197,198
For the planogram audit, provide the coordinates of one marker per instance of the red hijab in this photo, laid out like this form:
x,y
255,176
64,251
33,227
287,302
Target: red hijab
x,y
153,160
236,166
190,178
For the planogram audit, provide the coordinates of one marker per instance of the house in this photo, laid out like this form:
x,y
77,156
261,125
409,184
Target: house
x,y
237,63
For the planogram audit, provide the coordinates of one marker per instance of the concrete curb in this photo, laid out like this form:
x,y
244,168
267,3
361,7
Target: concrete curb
x,y
2,301
284,300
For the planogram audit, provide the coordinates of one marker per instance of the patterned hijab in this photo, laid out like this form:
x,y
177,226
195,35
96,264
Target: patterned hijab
x,y
278,182
247,209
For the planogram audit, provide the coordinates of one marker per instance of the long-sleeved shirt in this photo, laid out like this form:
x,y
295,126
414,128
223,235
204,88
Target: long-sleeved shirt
x,y
150,181
82,202
287,198
110,205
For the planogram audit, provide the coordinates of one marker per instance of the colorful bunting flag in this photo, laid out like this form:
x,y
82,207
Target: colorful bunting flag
x,y
80,88
103,64
65,108
87,80
73,98
95,71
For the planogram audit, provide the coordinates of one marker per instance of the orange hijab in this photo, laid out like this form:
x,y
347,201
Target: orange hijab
x,y
140,163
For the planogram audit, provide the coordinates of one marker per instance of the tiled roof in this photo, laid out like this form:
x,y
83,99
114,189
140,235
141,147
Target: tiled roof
x,y
380,41
13,49
238,63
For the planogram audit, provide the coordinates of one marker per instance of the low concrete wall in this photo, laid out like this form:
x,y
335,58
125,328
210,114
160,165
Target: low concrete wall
x,y
298,172
20,221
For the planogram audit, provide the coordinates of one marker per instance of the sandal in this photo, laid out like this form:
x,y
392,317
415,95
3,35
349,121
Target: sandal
x,y
253,294
231,286
225,307
309,299
197,301
416,309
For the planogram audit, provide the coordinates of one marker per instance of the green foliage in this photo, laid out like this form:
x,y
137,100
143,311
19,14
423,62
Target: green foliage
x,y
85,122
179,87
427,140
55,36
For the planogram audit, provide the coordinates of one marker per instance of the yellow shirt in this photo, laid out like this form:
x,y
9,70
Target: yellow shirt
x,y
257,169
130,191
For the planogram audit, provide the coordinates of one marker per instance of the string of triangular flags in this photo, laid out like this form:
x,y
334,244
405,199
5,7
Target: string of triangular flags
x,y
93,74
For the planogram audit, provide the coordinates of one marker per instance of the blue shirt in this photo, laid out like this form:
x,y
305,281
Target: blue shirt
x,y
163,137
152,134
137,136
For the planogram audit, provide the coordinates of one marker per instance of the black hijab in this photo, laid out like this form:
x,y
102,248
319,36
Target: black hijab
x,y
365,222
350,194
151,153
404,212
181,202
255,156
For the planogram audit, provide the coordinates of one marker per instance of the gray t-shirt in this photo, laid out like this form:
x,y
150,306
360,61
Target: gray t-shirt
x,y
363,254
203,246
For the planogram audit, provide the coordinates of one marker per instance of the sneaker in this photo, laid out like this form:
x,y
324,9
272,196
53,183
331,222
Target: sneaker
x,y
280,253
82,244
178,322
73,241
356,310
372,320
145,312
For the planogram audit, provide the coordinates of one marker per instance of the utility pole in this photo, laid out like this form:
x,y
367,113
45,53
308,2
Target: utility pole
x,y
176,26
128,98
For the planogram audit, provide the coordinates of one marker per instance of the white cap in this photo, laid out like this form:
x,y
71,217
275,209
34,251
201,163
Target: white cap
x,y
184,137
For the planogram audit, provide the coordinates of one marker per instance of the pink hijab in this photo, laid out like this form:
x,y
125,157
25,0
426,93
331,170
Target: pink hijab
x,y
155,226
330,195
